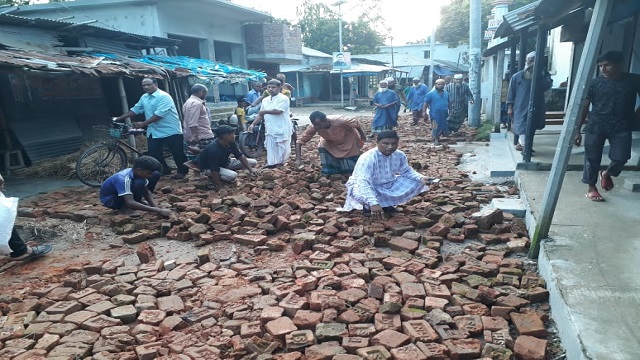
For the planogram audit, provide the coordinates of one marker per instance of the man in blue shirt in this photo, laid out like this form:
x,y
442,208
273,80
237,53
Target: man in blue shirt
x,y
415,99
255,93
163,126
437,102
124,190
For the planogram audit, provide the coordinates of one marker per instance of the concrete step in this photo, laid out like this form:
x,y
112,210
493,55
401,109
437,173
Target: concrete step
x,y
512,206
502,162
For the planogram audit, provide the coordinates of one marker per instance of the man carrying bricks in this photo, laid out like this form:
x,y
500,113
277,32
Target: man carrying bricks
x,y
382,179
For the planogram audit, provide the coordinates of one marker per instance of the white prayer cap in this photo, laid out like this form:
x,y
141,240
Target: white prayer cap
x,y
384,82
457,76
531,54
416,79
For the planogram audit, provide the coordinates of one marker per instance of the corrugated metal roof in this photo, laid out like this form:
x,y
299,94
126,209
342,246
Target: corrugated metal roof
x,y
110,46
15,37
87,30
90,65
314,53
516,20
549,12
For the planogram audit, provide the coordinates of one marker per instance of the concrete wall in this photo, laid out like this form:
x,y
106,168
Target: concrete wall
x,y
441,51
559,52
138,19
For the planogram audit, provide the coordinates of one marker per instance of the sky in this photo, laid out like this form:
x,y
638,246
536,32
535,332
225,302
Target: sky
x,y
408,20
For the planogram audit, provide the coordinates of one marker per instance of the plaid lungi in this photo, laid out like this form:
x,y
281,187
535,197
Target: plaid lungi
x,y
333,165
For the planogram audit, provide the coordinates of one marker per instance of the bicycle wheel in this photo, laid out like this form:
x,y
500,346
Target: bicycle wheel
x,y
248,143
99,162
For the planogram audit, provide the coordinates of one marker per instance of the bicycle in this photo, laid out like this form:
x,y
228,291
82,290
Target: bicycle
x,y
102,160
252,143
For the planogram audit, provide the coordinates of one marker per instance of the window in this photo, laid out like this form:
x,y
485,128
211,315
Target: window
x,y
427,54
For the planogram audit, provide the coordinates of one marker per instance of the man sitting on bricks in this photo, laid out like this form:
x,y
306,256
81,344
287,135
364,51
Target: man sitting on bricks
x,y
382,179
214,163
124,190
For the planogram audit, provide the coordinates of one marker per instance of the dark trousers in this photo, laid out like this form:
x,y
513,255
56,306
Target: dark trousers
x,y
619,154
137,189
16,244
175,144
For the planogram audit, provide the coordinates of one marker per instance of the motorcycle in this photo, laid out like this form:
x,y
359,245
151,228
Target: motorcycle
x,y
251,143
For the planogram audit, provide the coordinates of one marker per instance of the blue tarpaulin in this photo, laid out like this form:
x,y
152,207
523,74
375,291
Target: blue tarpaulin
x,y
197,67
202,67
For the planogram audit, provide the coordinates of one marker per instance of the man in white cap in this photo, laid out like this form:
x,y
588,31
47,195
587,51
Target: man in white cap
x,y
518,98
459,97
415,99
391,85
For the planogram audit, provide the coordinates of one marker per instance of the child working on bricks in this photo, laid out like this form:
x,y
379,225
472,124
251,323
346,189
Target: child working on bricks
x,y
124,190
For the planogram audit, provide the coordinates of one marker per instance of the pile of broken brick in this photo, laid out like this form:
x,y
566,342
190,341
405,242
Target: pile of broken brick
x,y
441,279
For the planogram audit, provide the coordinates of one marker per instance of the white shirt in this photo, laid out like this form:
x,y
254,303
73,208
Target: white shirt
x,y
278,126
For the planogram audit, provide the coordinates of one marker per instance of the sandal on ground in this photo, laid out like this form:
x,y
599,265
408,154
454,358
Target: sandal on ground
x,y
519,147
606,182
178,176
594,196
36,252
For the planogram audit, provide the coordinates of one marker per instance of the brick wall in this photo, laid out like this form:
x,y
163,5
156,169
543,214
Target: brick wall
x,y
272,39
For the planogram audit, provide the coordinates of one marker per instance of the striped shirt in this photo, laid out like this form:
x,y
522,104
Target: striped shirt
x,y
118,184
459,97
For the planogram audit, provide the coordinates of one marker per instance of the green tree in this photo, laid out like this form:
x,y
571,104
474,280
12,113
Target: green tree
x,y
319,27
454,20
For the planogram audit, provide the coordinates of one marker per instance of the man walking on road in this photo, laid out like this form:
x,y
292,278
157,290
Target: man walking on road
x,y
460,97
415,99
163,126
612,97
436,105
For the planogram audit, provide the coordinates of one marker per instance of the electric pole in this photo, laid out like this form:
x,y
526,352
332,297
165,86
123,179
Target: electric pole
x,y
475,43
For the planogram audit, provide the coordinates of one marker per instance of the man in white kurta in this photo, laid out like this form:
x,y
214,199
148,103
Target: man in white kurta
x,y
275,113
382,178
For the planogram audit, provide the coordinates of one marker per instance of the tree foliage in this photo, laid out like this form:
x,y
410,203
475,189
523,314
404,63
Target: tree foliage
x,y
319,25
454,20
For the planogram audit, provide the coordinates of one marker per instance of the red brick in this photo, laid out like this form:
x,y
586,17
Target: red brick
x,y
280,327
528,324
353,344
408,352
403,244
419,330
390,339
463,349
307,319
530,348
